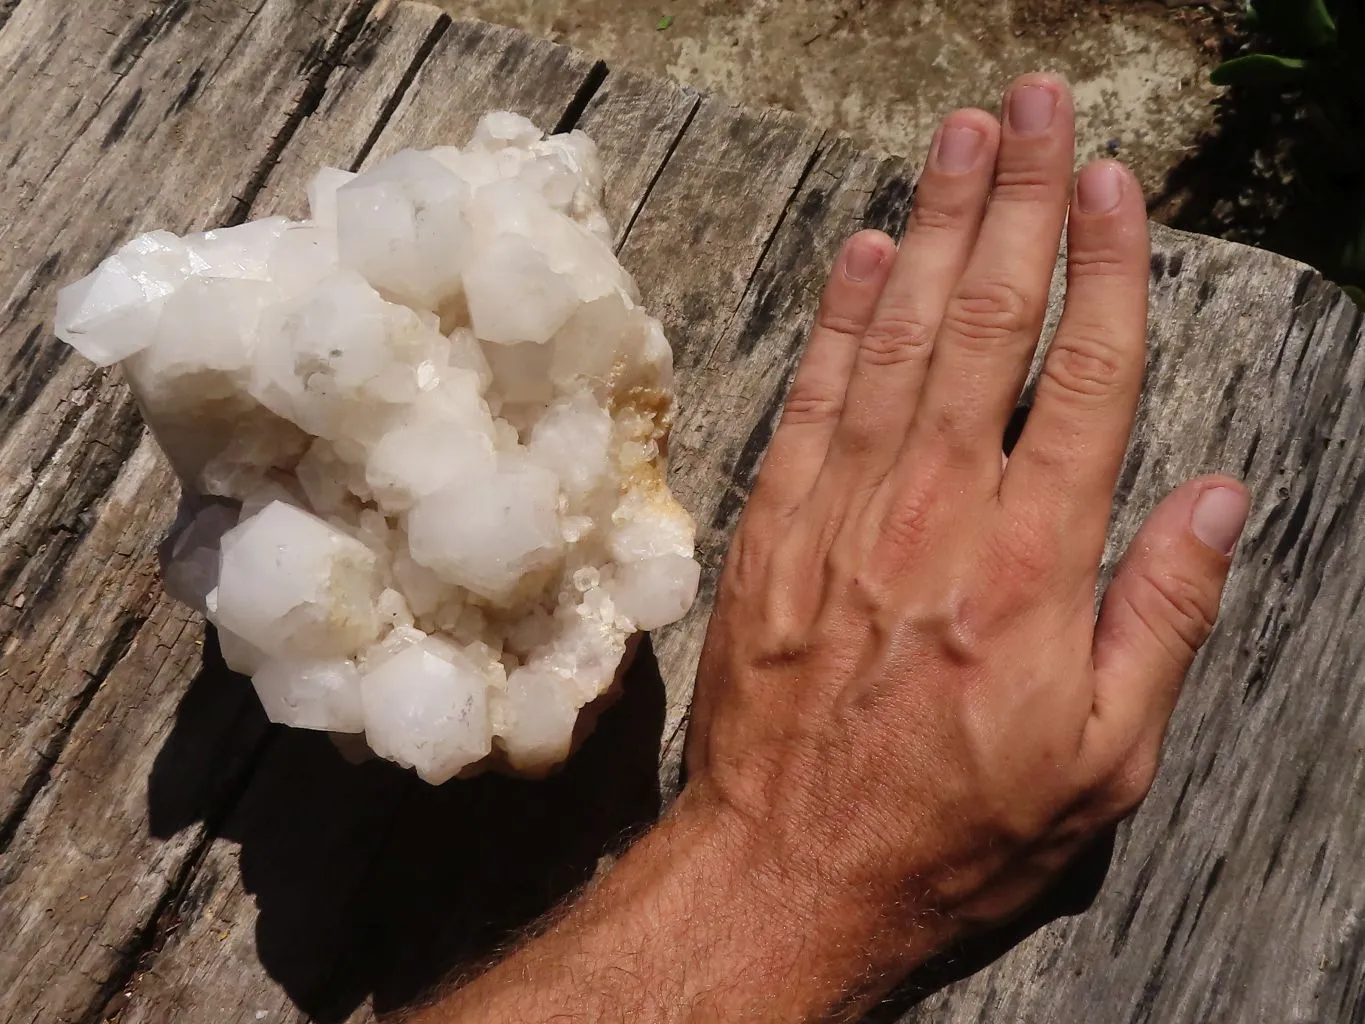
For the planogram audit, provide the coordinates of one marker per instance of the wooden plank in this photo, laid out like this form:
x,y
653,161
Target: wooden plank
x,y
637,122
1237,892
95,662
270,911
1254,365
74,55
361,93
65,427
119,825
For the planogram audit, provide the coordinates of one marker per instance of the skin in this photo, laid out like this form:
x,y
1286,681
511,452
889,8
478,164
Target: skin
x,y
909,717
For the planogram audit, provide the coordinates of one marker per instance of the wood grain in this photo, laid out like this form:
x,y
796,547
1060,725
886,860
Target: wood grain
x,y
365,84
75,56
67,428
230,870
475,68
95,661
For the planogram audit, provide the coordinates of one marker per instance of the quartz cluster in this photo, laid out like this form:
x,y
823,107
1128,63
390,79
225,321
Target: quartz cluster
x,y
420,441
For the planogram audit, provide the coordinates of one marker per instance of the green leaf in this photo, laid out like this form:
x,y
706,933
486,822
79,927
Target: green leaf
x,y
1262,69
1356,295
665,23
1299,24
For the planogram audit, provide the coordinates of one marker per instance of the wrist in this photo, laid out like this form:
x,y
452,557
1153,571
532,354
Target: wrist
x,y
825,938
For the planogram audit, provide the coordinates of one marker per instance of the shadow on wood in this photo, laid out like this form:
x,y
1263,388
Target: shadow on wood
x,y
368,882
1073,894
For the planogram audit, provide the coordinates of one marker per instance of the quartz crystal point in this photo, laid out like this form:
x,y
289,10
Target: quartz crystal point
x,y
419,436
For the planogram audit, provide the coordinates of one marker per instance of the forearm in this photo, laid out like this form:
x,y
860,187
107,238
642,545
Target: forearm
x,y
695,923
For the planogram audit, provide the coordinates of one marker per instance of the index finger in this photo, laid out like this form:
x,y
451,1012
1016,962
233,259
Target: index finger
x,y
1067,461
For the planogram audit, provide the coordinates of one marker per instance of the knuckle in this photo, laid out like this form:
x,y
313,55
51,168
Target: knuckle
x,y
990,311
809,404
746,565
935,214
1177,610
1085,362
1026,183
896,338
1189,605
835,321
1102,259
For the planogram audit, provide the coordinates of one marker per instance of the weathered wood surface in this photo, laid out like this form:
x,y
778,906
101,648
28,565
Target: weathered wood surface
x,y
168,856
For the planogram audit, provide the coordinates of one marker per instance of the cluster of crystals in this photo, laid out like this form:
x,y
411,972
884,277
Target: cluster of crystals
x,y
420,440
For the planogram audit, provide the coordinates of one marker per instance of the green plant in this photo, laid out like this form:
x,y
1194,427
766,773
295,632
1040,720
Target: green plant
x,y
1316,49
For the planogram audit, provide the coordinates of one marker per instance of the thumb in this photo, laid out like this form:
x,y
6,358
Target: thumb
x,y
1162,604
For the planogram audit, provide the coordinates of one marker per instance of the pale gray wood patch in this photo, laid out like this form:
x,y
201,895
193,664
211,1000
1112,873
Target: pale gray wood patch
x,y
95,662
62,64
637,122
231,869
368,81
473,69
164,157
112,834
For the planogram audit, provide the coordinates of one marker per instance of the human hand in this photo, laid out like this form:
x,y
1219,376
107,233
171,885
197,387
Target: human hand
x,y
907,708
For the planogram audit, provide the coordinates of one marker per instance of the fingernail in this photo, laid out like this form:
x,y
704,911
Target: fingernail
x,y
1100,188
862,258
958,149
1032,108
1220,515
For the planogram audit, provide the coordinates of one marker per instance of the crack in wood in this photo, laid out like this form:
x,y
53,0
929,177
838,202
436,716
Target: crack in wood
x,y
573,113
658,173
816,153
33,785
419,58
40,560
333,55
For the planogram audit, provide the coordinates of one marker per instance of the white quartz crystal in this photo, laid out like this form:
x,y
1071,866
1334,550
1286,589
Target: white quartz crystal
x,y
419,436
